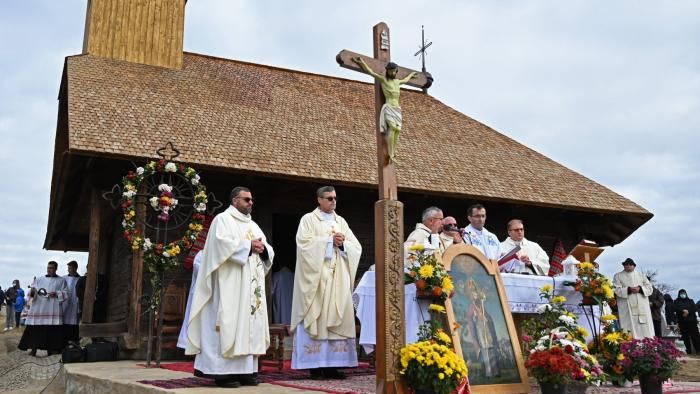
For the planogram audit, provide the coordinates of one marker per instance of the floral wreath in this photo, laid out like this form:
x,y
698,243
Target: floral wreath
x,y
160,256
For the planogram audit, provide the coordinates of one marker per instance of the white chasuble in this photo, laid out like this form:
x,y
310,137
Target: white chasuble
x,y
47,310
633,309
538,257
323,317
485,241
228,325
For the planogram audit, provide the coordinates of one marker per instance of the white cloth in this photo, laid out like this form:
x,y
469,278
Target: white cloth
x,y
282,294
523,291
228,317
364,298
321,353
538,257
389,113
45,310
633,309
423,236
322,300
70,305
182,338
485,241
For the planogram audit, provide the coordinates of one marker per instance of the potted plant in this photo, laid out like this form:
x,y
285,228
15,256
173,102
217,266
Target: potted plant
x,y
428,273
431,365
556,327
552,367
653,360
593,286
609,349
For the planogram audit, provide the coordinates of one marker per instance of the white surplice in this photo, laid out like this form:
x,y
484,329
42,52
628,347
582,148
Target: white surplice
x,y
70,305
322,313
538,257
422,236
633,309
182,338
228,325
45,310
483,240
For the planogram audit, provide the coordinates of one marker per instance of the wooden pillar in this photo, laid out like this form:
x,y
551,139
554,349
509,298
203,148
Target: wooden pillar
x,y
133,336
388,259
93,256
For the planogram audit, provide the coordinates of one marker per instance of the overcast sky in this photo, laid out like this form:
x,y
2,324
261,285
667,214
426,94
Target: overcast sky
x,y
608,89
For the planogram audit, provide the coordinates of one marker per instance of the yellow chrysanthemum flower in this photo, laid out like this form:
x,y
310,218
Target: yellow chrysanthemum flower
x,y
613,338
582,331
417,247
620,357
447,284
559,299
436,308
586,266
608,317
426,271
546,289
444,337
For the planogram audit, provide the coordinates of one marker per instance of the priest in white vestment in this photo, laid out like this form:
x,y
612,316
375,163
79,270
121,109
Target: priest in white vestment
x,y
427,233
532,258
228,327
70,306
633,289
45,319
323,319
450,233
182,338
479,237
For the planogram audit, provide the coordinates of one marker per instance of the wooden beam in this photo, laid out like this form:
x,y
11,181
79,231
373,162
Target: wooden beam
x,y
133,338
93,257
344,59
113,329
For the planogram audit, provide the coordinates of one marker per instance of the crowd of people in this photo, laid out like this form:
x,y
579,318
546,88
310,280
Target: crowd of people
x,y
49,309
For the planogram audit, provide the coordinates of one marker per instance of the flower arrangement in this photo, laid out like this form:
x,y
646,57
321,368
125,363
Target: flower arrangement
x,y
594,286
160,256
428,273
431,363
609,348
650,356
557,328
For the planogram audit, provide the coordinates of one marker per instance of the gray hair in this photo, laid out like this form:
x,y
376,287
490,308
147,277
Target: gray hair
x,y
512,222
324,189
429,212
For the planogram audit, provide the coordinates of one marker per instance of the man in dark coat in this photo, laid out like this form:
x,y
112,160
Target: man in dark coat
x,y
656,302
686,313
670,313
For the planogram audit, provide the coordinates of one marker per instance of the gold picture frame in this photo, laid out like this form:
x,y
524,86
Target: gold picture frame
x,y
486,338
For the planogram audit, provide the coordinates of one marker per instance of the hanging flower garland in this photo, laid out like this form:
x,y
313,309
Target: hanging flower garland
x,y
159,256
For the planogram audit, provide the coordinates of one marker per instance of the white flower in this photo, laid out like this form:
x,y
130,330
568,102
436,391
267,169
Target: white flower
x,y
173,202
200,207
139,170
195,180
566,319
147,245
164,187
123,223
154,202
170,167
540,348
129,193
166,254
543,308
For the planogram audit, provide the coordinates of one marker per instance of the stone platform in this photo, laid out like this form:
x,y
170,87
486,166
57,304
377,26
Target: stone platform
x,y
121,377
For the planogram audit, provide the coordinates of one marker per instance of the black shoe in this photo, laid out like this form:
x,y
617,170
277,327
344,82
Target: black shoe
x,y
316,373
333,373
228,383
248,379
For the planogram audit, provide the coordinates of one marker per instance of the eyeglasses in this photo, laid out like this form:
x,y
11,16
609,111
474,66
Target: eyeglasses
x,y
517,229
330,198
247,199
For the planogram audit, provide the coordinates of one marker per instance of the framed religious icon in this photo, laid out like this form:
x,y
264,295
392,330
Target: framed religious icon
x,y
485,336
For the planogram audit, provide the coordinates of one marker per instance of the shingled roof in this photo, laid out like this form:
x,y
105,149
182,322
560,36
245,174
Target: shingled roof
x,y
250,117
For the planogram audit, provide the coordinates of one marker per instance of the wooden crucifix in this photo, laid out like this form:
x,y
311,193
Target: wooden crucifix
x,y
388,214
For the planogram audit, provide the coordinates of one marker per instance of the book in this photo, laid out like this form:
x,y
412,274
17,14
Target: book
x,y
510,262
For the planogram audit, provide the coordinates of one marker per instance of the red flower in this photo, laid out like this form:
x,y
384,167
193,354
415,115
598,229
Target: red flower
x,y
569,349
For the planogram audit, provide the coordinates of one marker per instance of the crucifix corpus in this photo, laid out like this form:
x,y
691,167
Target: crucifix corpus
x,y
388,211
